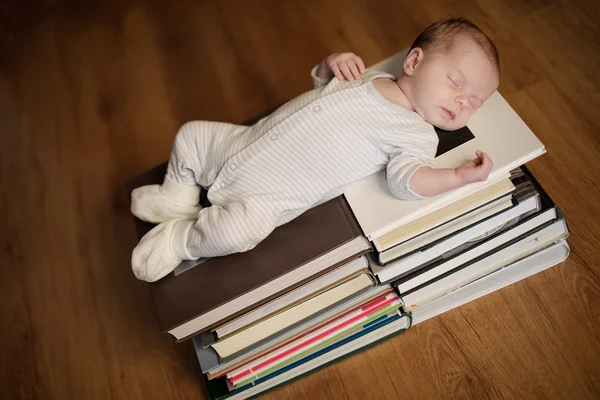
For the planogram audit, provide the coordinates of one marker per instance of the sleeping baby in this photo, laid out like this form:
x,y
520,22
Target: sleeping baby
x,y
354,122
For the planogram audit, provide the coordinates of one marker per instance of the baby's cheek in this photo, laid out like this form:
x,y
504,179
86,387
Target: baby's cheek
x,y
464,118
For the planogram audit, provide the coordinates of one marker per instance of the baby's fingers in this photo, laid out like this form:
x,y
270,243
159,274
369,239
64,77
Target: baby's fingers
x,y
486,162
353,68
346,71
485,167
470,164
336,71
359,63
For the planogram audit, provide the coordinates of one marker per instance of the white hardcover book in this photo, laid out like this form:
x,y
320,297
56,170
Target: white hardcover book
x,y
445,216
498,131
537,262
448,229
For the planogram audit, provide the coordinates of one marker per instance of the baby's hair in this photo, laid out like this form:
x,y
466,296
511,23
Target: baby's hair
x,y
442,34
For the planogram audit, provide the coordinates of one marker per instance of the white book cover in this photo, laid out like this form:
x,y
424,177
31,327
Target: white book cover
x,y
497,130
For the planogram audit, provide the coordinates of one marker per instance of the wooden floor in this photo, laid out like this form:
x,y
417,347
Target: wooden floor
x,y
92,95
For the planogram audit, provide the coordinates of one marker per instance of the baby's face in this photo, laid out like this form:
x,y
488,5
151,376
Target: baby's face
x,y
448,86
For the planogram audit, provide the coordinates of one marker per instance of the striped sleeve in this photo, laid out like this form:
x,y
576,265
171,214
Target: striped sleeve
x,y
418,150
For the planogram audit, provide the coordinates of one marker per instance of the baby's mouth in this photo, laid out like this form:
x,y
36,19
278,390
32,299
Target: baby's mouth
x,y
449,115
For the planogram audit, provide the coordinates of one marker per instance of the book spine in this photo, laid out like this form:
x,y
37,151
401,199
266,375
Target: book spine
x,y
353,224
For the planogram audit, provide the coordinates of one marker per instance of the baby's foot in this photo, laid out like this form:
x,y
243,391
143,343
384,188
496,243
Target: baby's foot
x,y
161,250
160,203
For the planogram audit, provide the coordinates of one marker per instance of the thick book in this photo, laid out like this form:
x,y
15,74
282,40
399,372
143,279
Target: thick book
x,y
447,220
446,230
496,280
223,288
487,209
496,129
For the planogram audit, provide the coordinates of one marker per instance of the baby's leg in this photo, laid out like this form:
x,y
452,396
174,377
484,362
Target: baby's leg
x,y
179,195
231,228
218,231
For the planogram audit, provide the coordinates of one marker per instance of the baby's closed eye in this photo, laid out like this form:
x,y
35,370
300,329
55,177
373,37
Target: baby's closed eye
x,y
454,82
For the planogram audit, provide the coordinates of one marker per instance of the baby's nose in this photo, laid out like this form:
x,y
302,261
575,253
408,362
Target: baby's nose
x,y
461,100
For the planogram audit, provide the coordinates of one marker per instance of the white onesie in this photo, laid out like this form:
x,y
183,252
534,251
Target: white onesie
x,y
305,153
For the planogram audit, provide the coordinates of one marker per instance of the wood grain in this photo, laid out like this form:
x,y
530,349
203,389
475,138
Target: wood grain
x,y
92,94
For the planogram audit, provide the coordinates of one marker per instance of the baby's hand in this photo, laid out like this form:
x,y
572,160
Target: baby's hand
x,y
345,66
475,170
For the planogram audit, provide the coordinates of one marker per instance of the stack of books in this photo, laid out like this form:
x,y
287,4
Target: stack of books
x,y
365,266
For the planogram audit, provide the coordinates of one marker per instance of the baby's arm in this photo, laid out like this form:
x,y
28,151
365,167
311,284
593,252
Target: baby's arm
x,y
428,182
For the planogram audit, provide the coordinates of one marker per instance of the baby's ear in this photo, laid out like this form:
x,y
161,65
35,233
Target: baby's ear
x,y
413,60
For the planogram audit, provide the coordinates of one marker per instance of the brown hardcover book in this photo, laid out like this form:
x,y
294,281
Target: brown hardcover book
x,y
223,288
